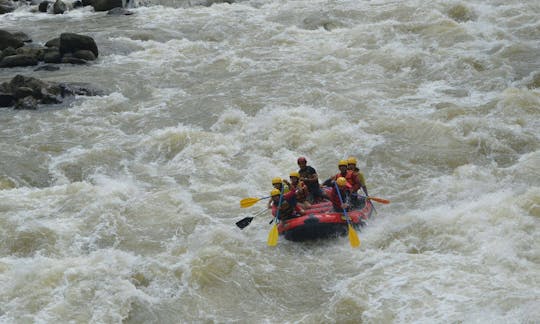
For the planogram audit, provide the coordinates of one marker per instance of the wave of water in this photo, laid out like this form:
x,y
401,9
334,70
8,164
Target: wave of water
x,y
121,208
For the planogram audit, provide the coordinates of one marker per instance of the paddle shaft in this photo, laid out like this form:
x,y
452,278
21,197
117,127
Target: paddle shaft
x,y
353,237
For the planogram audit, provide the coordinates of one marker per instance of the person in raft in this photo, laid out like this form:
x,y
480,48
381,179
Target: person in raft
x,y
309,176
349,175
279,184
300,187
345,191
352,179
288,208
351,165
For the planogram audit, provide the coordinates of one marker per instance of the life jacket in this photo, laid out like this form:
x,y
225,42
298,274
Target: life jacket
x,y
301,191
287,208
286,188
351,178
334,198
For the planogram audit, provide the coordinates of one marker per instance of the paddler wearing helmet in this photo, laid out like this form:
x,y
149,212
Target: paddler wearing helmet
x,y
288,207
300,188
345,191
351,165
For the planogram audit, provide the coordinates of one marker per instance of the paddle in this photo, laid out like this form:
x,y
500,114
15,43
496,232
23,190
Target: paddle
x,y
247,220
379,200
244,222
248,202
273,235
353,237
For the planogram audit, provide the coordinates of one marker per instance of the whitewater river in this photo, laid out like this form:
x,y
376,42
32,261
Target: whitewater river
x,y
121,208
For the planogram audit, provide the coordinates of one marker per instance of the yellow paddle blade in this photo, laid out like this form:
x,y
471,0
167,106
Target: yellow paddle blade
x,y
273,236
353,237
247,202
379,200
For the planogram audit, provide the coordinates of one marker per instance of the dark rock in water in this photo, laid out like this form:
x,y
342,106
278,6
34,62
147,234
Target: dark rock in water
x,y
44,6
77,4
6,99
81,89
70,43
49,98
22,92
21,81
27,103
119,12
59,7
86,2
52,55
208,3
35,51
8,52
106,5
72,60
28,92
7,39
68,48
84,55
22,37
55,42
48,67
18,60
6,6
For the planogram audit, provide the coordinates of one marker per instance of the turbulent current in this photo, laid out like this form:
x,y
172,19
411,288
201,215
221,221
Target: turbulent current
x,y
121,208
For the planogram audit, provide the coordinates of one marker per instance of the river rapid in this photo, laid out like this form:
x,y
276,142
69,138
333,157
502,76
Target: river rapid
x,y
121,208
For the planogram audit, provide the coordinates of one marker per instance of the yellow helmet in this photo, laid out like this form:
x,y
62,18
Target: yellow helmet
x,y
275,192
341,181
351,160
294,174
276,180
342,162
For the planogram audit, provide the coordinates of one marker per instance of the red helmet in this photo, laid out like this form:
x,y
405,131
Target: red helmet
x,y
301,159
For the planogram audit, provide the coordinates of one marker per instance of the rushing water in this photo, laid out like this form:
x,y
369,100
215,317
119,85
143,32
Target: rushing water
x,y
121,208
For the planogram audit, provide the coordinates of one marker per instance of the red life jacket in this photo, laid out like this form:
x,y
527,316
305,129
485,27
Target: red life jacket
x,y
351,178
301,191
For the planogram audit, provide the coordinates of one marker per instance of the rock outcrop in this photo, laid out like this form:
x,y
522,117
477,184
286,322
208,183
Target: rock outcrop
x,y
68,48
28,93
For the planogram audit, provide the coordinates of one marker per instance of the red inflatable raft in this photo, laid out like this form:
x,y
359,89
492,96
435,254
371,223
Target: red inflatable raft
x,y
320,221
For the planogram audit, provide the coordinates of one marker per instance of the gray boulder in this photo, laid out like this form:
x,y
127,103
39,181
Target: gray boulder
x,y
119,12
71,43
84,55
28,92
106,5
27,103
7,39
55,42
6,99
52,55
18,60
59,7
6,6
44,6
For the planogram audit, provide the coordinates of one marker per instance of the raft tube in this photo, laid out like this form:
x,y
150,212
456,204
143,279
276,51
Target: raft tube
x,y
320,221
